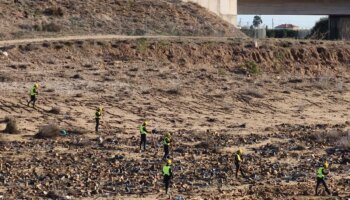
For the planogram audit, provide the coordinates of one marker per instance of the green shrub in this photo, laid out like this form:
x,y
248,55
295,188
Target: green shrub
x,y
281,33
321,30
51,27
141,44
252,67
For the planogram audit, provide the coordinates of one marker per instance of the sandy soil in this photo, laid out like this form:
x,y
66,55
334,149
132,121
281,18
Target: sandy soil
x,y
288,121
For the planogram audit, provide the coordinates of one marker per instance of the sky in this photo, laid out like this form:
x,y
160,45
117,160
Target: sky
x,y
303,21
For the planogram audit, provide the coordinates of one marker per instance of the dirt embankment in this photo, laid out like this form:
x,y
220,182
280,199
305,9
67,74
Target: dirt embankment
x,y
26,18
312,58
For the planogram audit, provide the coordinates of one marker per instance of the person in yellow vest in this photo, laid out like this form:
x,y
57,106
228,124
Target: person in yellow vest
x,y
320,177
166,143
33,94
238,162
143,132
167,174
98,115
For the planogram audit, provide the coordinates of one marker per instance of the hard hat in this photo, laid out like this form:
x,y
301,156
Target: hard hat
x,y
326,165
169,162
36,85
145,123
240,151
167,134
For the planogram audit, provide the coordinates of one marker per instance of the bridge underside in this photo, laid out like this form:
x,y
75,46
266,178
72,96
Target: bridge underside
x,y
338,10
293,7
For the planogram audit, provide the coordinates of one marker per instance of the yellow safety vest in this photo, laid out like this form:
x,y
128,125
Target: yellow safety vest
x,y
166,170
142,130
166,141
98,115
238,158
320,173
34,92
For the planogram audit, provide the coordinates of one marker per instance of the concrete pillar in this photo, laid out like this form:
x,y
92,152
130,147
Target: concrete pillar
x,y
339,27
226,9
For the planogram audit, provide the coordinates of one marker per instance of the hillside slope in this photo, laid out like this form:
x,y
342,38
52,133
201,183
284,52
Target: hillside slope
x,y
26,18
288,119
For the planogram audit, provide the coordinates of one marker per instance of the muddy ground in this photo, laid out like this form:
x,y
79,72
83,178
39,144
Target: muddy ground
x,y
288,119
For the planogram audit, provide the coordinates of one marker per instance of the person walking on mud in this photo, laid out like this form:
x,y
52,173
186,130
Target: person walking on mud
x,y
320,178
167,175
33,94
166,143
143,132
98,115
238,162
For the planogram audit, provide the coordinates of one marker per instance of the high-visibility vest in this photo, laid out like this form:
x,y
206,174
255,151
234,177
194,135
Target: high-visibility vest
x,y
238,158
166,141
33,92
320,173
98,115
166,170
142,130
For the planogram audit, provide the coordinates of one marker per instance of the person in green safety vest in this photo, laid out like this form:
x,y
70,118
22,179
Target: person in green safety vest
x,y
238,161
320,177
143,132
33,94
98,115
166,143
167,174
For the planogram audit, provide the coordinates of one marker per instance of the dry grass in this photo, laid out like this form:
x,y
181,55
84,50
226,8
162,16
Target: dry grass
x,y
173,88
55,110
344,142
83,17
331,136
76,130
253,92
50,27
11,126
54,11
173,91
48,131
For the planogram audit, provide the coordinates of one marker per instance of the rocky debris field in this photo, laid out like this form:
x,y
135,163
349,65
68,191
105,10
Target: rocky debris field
x,y
75,166
214,95
30,19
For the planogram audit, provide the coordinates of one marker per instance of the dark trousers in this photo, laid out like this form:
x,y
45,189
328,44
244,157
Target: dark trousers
x,y
239,169
143,141
166,183
318,182
166,152
32,100
97,124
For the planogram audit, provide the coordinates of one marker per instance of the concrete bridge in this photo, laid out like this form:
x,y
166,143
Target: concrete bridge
x,y
338,11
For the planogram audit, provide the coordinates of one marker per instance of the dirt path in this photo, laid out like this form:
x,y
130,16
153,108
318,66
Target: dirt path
x,y
98,37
